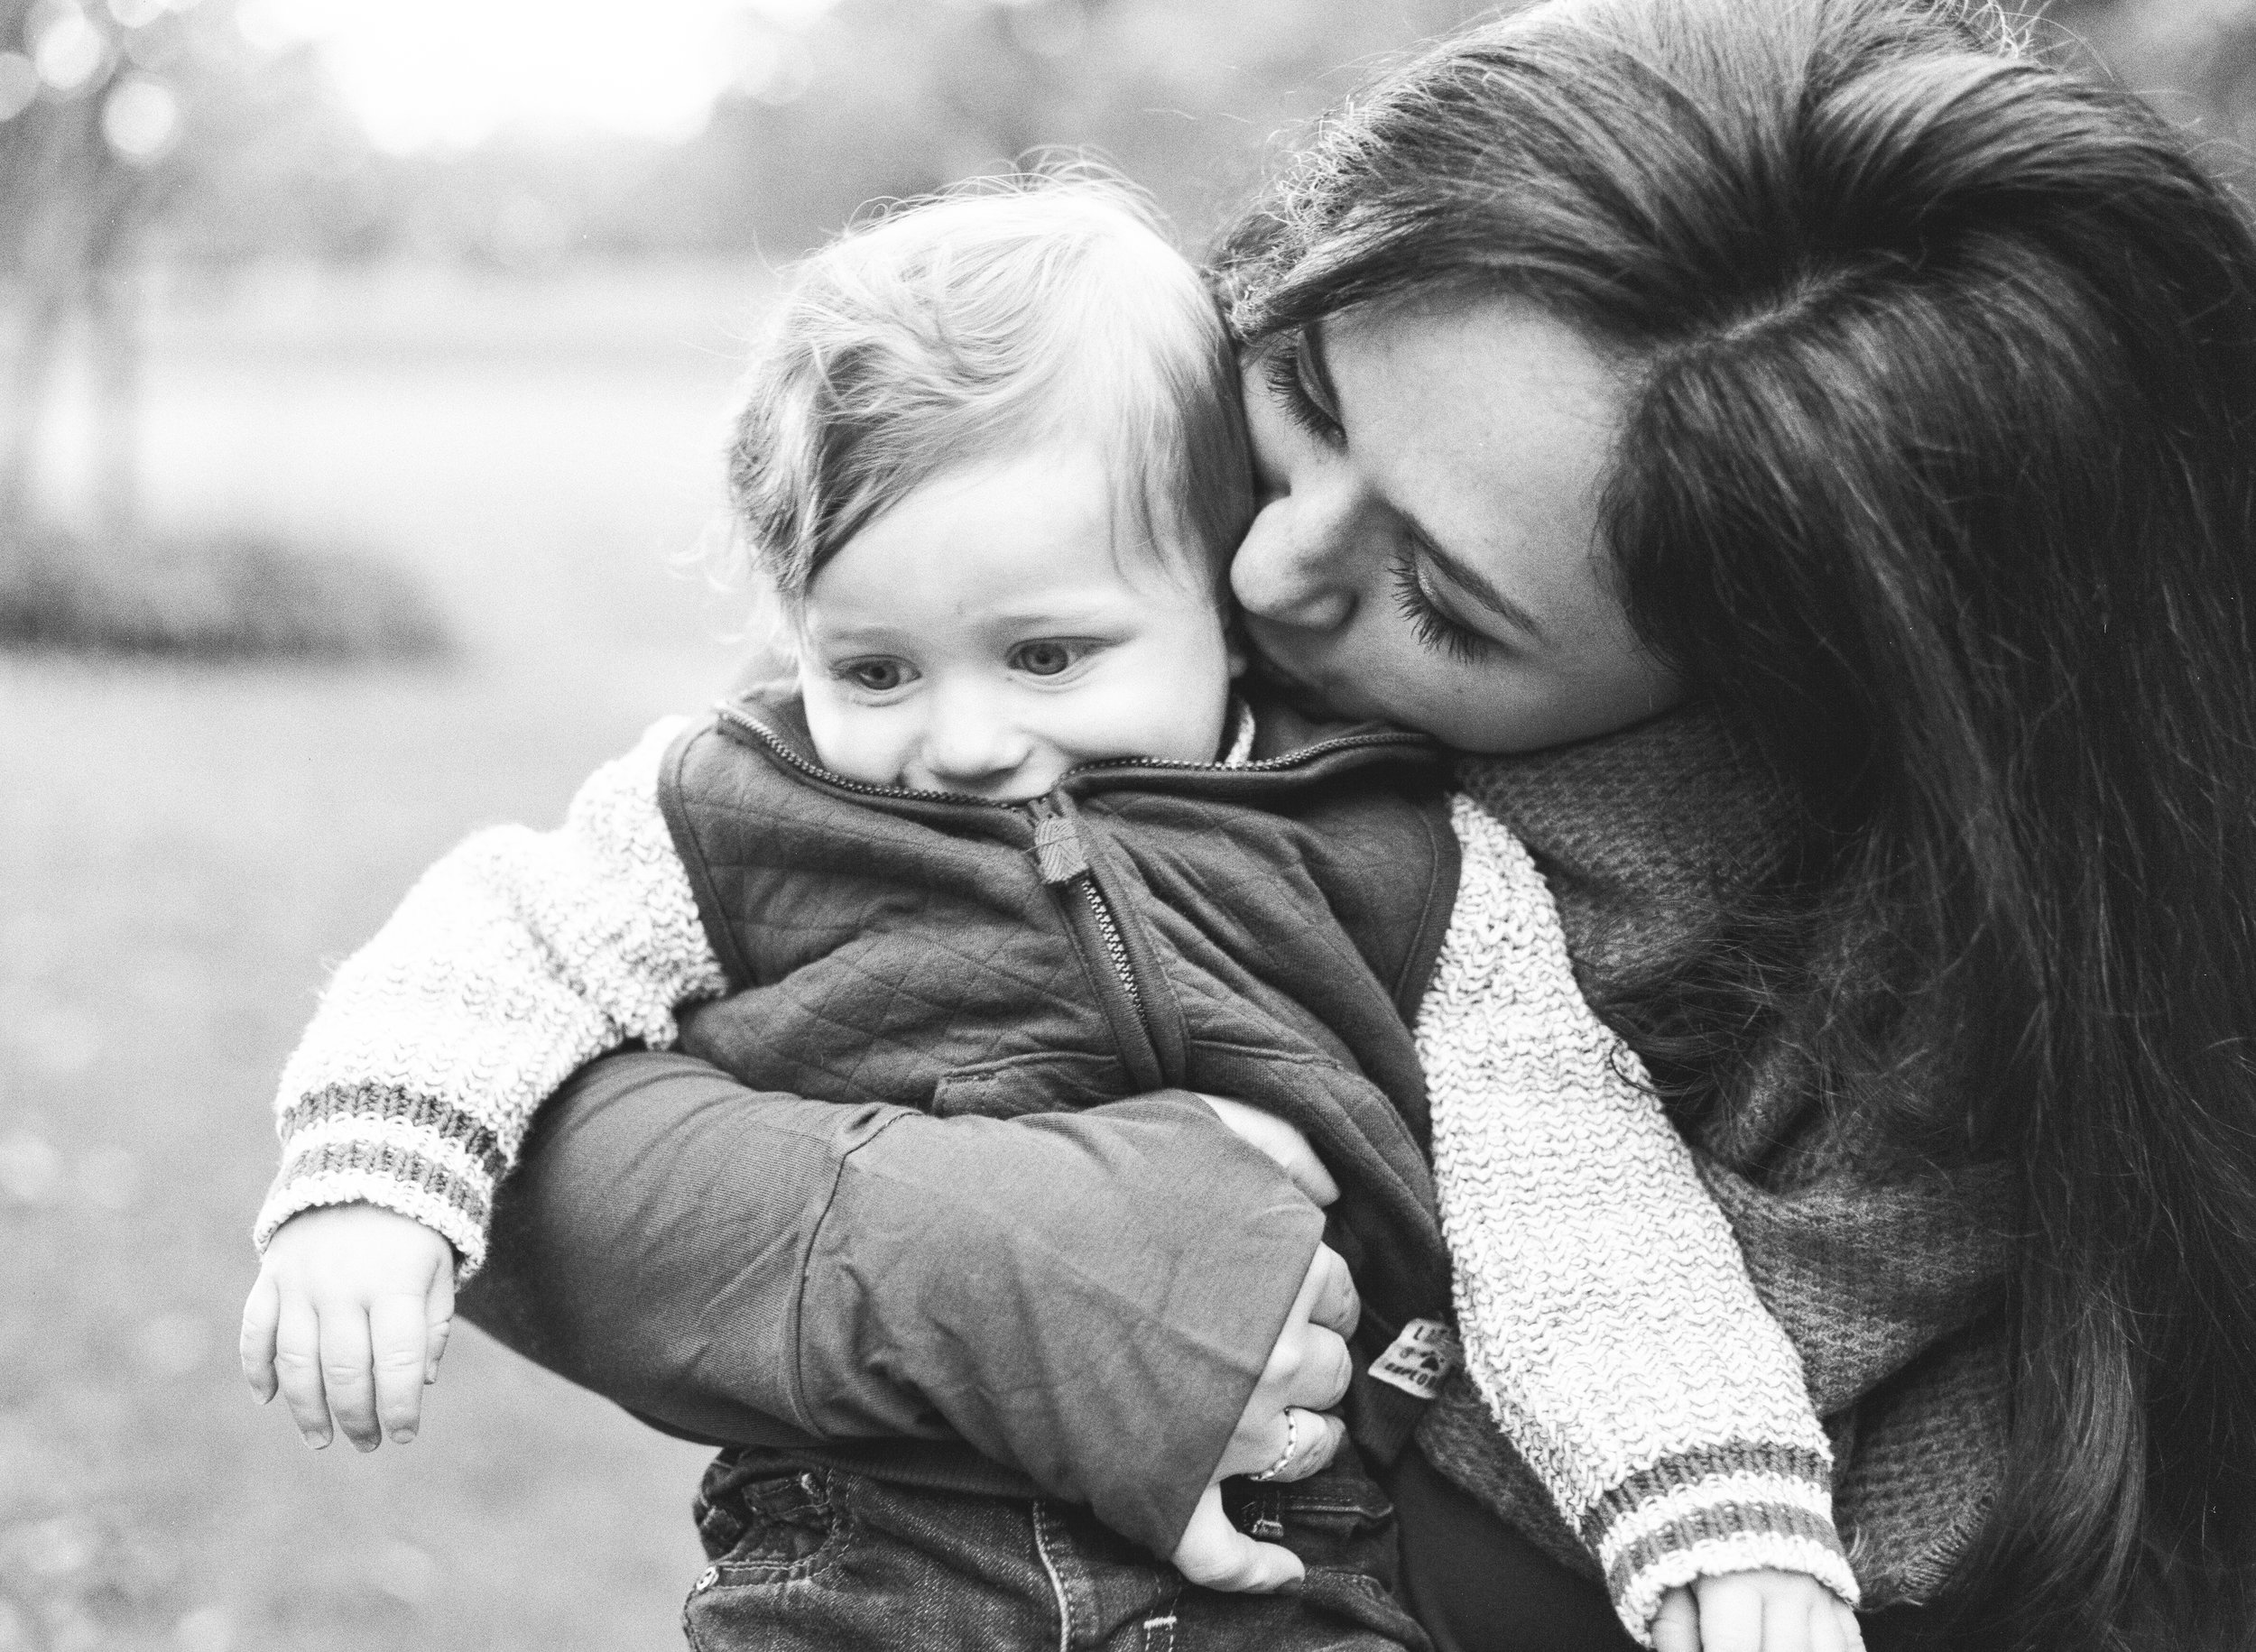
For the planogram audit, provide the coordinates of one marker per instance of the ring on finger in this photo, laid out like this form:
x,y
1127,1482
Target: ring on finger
x,y
1293,1445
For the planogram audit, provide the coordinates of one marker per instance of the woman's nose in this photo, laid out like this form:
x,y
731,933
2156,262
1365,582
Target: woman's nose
x,y
1289,568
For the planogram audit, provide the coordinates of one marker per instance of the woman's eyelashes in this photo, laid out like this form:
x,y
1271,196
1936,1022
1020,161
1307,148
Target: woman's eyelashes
x,y
1293,382
1435,628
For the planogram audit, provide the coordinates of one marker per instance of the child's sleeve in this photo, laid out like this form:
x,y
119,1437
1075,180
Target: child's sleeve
x,y
1604,1307
519,957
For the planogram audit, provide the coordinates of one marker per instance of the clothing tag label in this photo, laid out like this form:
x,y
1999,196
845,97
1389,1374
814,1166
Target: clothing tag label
x,y
1420,1361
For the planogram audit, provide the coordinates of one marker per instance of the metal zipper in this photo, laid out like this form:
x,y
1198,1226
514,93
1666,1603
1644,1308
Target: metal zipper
x,y
1261,765
1115,949
816,772
1061,859
1058,854
1265,765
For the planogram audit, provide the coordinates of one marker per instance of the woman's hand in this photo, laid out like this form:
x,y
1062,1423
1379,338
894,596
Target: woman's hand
x,y
1282,1143
1755,1612
1282,1433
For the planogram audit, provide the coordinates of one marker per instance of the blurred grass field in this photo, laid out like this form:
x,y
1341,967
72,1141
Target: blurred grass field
x,y
183,852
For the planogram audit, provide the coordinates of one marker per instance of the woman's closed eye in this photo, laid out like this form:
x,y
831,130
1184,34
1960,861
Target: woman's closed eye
x,y
1294,377
1436,627
875,673
1051,656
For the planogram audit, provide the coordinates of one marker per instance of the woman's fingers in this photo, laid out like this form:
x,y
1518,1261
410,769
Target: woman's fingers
x,y
1281,1142
1216,1554
1306,1441
254,1346
1328,1294
1308,1367
1310,1376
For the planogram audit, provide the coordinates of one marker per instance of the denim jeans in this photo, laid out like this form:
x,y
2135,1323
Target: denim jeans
x,y
809,1559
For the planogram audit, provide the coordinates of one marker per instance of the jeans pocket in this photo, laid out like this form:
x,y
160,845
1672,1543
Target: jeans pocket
x,y
764,1523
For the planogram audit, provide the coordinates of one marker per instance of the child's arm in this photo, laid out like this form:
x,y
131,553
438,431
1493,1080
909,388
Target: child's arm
x,y
517,958
1604,1307
350,1315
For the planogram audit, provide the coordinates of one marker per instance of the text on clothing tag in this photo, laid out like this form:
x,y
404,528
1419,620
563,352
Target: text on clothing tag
x,y
1420,1361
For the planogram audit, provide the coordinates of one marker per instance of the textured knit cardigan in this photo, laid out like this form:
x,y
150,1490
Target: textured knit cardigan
x,y
1607,1320
1888,1281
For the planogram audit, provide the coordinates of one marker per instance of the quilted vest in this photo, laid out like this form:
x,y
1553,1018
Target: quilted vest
x,y
1262,931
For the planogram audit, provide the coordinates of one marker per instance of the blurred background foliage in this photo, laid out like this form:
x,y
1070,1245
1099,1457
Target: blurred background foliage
x,y
149,145
402,332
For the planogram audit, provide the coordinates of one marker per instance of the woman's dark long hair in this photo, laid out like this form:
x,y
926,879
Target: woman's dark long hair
x,y
1938,478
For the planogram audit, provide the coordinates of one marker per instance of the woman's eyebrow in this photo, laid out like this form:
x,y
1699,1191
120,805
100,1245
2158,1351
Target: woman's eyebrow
x,y
1312,374
1472,581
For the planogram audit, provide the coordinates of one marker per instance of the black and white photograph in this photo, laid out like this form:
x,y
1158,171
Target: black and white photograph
x,y
1127,825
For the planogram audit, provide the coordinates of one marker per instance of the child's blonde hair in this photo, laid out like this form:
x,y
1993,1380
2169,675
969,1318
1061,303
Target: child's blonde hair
x,y
957,329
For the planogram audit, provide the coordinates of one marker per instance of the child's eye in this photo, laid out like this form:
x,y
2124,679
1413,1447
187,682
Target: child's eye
x,y
1048,658
878,676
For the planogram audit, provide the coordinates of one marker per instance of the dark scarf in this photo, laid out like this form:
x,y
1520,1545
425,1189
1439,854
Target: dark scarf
x,y
1886,1279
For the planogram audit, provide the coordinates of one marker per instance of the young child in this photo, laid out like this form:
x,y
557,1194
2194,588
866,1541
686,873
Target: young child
x,y
1009,842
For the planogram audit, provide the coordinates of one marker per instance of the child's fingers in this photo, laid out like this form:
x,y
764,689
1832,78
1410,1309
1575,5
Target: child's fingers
x,y
1215,1554
346,1374
397,1336
438,1319
1832,1627
1852,1631
1731,1616
1677,1625
262,1309
298,1369
1825,1627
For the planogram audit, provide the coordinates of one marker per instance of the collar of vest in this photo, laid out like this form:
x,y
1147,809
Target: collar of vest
x,y
1291,751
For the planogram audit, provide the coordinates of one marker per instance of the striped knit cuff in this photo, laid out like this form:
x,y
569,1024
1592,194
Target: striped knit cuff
x,y
1737,1508
377,1144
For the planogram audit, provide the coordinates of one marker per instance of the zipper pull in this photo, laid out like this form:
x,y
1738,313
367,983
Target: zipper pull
x,y
1057,850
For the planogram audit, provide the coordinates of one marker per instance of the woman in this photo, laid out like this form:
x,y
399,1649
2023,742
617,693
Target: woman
x,y
1888,399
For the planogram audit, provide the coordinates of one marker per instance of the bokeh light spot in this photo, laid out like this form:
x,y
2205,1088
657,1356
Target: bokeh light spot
x,y
31,1169
404,1572
70,51
141,118
453,73
206,1629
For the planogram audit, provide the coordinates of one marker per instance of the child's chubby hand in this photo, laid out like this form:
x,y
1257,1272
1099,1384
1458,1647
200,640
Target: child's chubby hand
x,y
349,1317
1755,1612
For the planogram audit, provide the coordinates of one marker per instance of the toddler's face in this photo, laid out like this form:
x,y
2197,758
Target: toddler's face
x,y
987,633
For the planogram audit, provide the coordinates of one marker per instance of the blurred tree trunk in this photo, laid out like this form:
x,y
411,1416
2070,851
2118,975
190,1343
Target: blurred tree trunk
x,y
31,366
114,341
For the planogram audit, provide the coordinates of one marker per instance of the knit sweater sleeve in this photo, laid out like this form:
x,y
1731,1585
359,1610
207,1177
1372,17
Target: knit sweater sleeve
x,y
1605,1311
517,958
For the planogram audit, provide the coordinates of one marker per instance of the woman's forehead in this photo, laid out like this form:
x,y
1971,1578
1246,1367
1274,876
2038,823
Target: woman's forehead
x,y
1488,423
